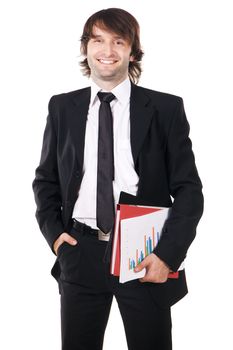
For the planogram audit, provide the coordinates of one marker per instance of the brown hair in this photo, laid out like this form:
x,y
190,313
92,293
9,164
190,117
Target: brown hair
x,y
122,23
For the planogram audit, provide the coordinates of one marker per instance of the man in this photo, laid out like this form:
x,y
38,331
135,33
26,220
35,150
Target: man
x,y
115,137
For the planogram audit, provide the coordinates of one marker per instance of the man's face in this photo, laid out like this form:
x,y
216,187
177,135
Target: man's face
x,y
108,56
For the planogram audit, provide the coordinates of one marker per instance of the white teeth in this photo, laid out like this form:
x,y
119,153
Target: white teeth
x,y
106,61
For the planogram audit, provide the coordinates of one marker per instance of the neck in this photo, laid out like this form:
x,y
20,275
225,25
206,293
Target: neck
x,y
107,85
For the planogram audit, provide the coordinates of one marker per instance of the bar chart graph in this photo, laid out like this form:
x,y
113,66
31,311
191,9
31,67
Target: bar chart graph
x,y
150,242
139,237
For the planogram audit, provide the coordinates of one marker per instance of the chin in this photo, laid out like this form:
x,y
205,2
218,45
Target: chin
x,y
107,75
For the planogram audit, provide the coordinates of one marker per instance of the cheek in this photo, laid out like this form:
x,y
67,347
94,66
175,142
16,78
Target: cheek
x,y
94,54
91,55
126,55
89,61
91,51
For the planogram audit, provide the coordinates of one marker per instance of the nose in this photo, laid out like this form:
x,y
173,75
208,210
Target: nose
x,y
108,49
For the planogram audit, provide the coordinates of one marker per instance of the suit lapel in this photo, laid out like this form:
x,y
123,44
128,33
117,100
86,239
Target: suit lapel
x,y
78,121
141,112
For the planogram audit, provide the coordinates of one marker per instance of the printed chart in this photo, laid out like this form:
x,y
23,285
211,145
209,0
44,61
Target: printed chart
x,y
149,245
139,236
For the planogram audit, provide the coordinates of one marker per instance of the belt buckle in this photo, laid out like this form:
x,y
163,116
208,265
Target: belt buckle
x,y
103,236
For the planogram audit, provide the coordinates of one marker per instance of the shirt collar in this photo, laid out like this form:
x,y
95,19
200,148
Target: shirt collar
x,y
121,91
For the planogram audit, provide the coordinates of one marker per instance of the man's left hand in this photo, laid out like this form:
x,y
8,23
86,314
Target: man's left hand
x,y
156,270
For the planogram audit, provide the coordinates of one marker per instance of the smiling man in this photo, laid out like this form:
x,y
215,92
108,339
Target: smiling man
x,y
108,56
110,138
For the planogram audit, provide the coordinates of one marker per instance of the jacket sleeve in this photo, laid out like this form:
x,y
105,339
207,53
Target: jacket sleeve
x,y
46,185
185,188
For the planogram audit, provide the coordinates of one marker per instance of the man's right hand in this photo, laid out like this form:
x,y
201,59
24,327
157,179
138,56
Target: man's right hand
x,y
64,237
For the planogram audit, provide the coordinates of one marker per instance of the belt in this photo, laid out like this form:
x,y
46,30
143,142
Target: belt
x,y
85,229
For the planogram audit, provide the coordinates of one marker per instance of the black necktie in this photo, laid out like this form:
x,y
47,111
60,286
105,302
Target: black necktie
x,y
105,210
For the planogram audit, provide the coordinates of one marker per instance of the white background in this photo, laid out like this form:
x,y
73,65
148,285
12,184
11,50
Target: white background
x,y
187,48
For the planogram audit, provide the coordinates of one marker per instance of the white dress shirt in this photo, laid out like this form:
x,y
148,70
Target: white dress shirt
x,y
126,178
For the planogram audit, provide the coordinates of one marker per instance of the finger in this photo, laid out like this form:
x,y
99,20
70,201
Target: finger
x,y
142,280
145,278
142,265
139,267
69,239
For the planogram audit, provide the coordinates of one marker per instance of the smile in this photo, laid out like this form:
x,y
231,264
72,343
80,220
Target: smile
x,y
103,61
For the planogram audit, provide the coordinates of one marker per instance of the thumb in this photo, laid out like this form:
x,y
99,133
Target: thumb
x,y
71,240
140,266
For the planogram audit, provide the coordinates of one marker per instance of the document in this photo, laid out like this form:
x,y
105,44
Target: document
x,y
138,230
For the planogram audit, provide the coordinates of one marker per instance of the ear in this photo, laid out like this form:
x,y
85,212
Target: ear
x,y
131,58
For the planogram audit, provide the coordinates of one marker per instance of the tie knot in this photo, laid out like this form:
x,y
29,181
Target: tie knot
x,y
105,96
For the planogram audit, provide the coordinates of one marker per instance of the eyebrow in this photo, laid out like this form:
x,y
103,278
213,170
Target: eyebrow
x,y
95,36
116,37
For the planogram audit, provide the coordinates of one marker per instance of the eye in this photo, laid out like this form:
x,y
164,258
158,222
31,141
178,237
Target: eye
x,y
120,42
96,40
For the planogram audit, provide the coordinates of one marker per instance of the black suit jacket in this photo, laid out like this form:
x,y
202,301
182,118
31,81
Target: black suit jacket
x,y
163,159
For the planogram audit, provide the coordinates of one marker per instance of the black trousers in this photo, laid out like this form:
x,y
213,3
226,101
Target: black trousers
x,y
87,289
